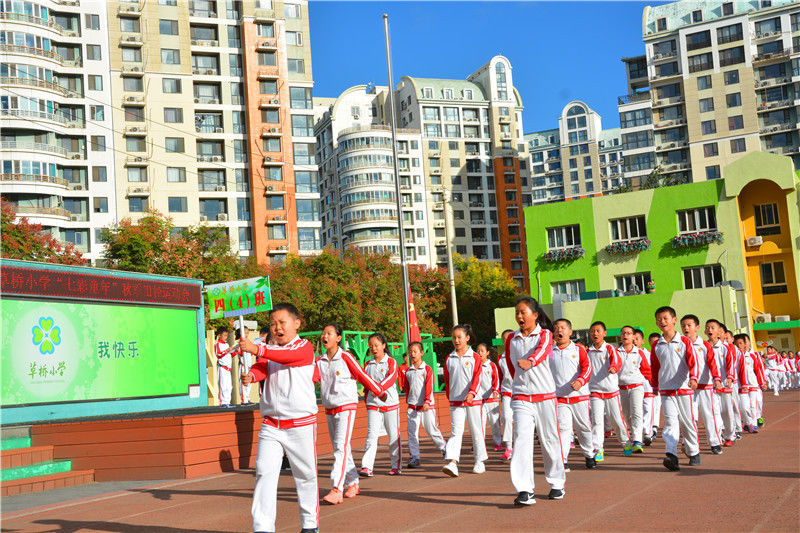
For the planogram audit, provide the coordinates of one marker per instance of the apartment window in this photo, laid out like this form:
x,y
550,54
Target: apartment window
x,y
727,9
563,237
268,87
700,277
308,239
300,98
307,210
697,16
272,144
306,181
168,27
276,232
245,239
733,99
574,287
708,127
170,56
266,30
729,34
97,112
467,94
291,11
93,52
137,174
100,204
275,173
661,24
174,144
137,204
627,229
171,85
95,82
704,82
98,143
176,175
699,219
706,105
713,172
736,122
132,55
212,208
701,39
427,92
99,174
767,221
773,278
639,117
177,204
302,125
633,282
173,115
135,144
710,150
731,56
267,59
129,25
731,77
92,22
294,38
297,66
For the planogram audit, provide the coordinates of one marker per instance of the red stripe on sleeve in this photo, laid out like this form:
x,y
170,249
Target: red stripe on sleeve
x,y
691,357
655,366
544,349
476,375
429,385
299,353
584,366
644,366
358,374
711,360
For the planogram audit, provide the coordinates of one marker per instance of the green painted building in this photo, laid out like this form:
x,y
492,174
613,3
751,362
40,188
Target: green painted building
x,y
618,258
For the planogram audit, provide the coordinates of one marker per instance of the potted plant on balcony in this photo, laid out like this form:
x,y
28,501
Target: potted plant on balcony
x,y
627,247
651,287
696,238
564,254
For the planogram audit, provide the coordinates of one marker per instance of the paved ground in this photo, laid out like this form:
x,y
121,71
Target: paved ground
x,y
752,486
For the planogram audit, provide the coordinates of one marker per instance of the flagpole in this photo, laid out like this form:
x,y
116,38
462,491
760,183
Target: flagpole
x,y
392,111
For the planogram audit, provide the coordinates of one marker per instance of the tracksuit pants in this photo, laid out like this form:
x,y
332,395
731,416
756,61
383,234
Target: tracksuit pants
x,y
613,407
390,421
225,386
632,405
727,414
491,415
748,405
759,396
736,400
679,422
426,419
574,418
651,411
774,381
541,417
340,429
704,398
300,446
473,417
508,421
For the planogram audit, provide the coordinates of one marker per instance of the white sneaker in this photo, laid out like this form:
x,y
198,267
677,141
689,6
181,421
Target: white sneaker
x,y
479,468
451,469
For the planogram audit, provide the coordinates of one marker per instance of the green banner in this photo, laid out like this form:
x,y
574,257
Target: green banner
x,y
238,298
67,352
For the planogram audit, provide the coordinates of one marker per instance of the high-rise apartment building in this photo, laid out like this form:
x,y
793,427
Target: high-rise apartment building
x,y
58,146
214,121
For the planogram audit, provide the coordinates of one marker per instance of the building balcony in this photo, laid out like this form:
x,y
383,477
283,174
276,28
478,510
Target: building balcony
x,y
766,35
773,82
664,102
30,19
373,238
771,57
272,131
133,70
38,84
33,147
678,166
208,100
209,158
781,150
43,212
205,42
769,129
377,220
670,123
17,49
273,159
370,201
131,39
370,165
136,161
138,190
132,100
130,9
33,179
671,145
657,58
54,118
777,104
267,44
633,98
279,249
202,71
135,131
268,72
657,78
209,128
264,14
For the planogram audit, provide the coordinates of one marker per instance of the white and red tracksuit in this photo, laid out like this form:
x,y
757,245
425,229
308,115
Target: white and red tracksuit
x,y
533,402
386,413
673,364
604,393
635,372
751,377
570,364
708,373
651,405
773,374
738,357
224,364
289,408
338,378
418,385
506,382
462,376
725,355
490,385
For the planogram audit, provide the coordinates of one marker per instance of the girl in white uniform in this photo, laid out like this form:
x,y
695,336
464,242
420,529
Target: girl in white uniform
x,y
339,374
490,389
418,386
386,412
534,402
462,376
506,382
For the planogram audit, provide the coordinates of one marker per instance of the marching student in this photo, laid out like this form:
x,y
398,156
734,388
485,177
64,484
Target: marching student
x,y
673,375
339,374
533,401
418,386
490,389
506,382
224,364
462,382
604,391
737,363
751,377
245,362
571,372
772,370
726,358
708,380
635,372
655,414
289,408
647,402
382,410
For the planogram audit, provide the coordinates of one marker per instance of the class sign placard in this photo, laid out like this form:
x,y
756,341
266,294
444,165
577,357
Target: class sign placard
x,y
237,298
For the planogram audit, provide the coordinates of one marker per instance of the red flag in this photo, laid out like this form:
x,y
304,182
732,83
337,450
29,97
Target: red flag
x,y
413,324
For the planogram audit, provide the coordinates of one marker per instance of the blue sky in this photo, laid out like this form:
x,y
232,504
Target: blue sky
x,y
559,51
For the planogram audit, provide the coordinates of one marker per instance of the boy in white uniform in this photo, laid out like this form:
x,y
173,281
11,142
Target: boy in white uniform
x,y
635,372
725,356
224,363
289,408
571,372
418,386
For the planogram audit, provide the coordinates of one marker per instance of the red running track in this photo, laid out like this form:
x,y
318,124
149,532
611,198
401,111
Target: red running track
x,y
754,486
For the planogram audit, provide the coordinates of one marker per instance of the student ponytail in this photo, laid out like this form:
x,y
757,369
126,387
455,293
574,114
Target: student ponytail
x,y
466,328
542,320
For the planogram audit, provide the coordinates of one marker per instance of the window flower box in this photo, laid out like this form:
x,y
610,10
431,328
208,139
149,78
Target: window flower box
x,y
696,238
564,254
628,247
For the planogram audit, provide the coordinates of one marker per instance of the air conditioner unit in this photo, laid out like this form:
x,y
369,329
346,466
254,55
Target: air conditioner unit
x,y
763,318
194,41
203,218
283,247
438,224
196,100
132,39
136,69
356,117
218,130
76,156
72,34
213,101
210,71
74,218
222,217
755,241
274,101
270,188
77,188
139,159
197,129
268,158
220,188
273,130
279,218
782,318
133,128
216,158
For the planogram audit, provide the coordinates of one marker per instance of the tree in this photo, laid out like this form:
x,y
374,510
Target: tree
x,y
482,286
24,240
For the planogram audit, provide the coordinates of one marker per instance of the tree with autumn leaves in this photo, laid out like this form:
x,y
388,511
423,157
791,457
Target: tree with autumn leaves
x,y
21,239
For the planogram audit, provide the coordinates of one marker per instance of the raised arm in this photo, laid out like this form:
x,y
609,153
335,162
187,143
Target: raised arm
x,y
293,354
359,375
544,349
